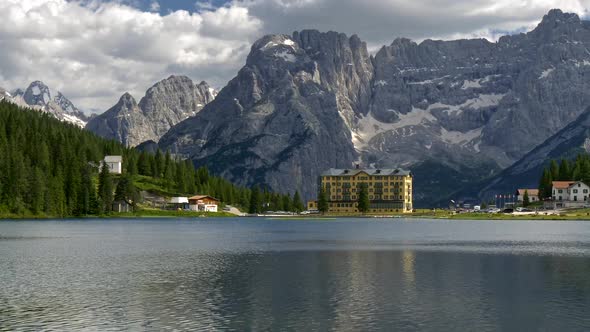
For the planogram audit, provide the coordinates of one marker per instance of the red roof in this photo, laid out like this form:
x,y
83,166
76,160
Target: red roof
x,y
531,192
200,197
562,184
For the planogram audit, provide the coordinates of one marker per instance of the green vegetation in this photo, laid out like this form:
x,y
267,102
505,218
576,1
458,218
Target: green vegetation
x,y
525,199
363,203
50,168
322,201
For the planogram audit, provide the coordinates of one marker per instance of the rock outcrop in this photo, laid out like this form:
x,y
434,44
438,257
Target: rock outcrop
x,y
165,104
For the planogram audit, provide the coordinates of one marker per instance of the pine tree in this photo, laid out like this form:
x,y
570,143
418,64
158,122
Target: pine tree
x,y
525,199
564,171
105,189
322,201
585,171
297,204
554,169
255,203
545,185
363,200
287,203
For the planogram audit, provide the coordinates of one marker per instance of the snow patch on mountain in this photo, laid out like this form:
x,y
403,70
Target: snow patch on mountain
x,y
546,73
482,100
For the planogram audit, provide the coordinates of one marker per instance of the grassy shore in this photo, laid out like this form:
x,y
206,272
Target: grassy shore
x,y
136,214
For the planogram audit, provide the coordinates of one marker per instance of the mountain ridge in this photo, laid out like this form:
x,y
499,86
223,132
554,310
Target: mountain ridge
x,y
471,106
164,104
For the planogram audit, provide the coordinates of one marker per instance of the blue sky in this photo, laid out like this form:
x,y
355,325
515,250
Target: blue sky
x,y
168,6
95,50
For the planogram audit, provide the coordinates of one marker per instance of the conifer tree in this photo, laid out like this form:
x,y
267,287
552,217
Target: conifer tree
x,y
255,203
322,201
105,189
363,199
564,171
554,169
287,203
297,203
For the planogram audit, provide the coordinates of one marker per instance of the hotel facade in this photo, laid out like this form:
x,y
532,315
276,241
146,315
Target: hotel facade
x,y
389,190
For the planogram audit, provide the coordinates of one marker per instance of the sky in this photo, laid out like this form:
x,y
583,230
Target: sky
x,y
93,51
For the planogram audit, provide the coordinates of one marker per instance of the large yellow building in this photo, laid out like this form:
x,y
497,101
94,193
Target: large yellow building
x,y
389,190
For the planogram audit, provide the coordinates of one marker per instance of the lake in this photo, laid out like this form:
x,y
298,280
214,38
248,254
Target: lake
x,y
294,275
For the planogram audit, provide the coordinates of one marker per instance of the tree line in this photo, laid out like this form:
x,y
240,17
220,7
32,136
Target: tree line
x,y
575,170
52,168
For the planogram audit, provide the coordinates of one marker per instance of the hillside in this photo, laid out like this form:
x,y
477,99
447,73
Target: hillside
x,y
51,168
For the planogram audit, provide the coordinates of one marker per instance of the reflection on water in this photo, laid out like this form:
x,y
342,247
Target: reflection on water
x,y
276,275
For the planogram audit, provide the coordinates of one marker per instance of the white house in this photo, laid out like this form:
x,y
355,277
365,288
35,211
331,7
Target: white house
x,y
533,195
204,203
570,194
114,163
179,202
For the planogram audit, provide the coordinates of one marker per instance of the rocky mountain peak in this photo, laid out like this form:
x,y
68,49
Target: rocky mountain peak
x,y
557,25
166,103
37,94
556,17
127,101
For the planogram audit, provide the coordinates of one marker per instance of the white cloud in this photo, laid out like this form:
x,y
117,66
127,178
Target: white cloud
x,y
155,6
94,51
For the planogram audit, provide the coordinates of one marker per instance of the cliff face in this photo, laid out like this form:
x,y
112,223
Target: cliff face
x,y
462,110
286,116
165,104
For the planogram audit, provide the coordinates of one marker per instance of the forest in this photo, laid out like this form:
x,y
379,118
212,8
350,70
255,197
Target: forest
x,y
49,168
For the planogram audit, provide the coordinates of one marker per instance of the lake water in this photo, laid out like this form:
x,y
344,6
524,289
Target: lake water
x,y
262,274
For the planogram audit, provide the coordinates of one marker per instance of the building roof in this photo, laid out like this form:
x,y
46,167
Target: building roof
x,y
178,200
562,184
199,197
113,159
531,192
369,171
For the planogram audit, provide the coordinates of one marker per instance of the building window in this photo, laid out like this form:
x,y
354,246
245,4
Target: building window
x,y
575,191
585,191
560,191
575,198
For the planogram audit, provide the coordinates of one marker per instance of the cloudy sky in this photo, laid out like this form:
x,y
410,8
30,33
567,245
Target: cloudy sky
x,y
95,50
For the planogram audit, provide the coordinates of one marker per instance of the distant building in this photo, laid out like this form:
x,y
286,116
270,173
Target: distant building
x,y
533,195
114,163
569,194
312,205
389,190
179,203
121,206
203,203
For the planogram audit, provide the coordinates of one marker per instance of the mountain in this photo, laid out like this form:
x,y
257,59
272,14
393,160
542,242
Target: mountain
x,y
38,96
455,112
165,104
526,173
